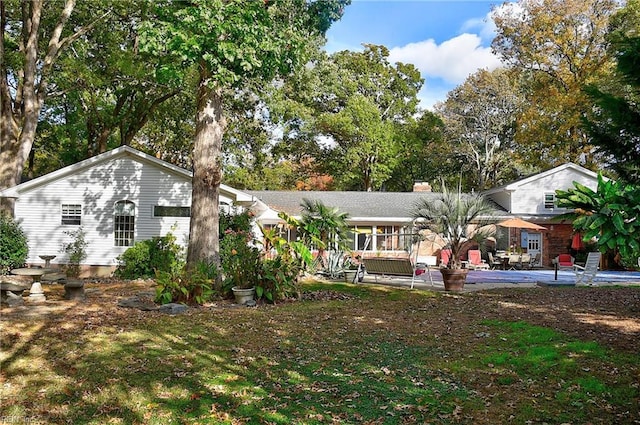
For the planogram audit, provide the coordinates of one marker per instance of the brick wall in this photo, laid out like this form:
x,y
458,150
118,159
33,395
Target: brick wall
x,y
557,240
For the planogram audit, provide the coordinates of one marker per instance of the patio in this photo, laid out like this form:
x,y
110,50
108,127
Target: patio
x,y
488,279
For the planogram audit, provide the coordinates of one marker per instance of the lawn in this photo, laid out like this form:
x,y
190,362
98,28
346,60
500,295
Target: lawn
x,y
347,354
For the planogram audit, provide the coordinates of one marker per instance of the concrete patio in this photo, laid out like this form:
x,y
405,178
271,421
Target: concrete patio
x,y
488,279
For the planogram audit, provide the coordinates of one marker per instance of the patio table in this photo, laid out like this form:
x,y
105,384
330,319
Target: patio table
x,y
36,294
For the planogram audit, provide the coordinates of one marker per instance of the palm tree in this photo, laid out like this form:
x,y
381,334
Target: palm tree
x,y
456,217
323,225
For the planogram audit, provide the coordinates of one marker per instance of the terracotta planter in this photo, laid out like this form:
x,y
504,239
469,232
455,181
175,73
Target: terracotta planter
x,y
454,279
243,295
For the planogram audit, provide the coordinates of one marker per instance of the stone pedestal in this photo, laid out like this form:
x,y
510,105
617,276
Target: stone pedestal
x,y
36,294
74,290
11,293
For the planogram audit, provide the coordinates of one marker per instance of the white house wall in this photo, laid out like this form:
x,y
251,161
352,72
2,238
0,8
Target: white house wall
x,y
529,198
97,189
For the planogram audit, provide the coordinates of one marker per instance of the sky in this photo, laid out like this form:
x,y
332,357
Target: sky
x,y
447,40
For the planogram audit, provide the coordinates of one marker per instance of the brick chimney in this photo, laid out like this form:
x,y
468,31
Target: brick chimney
x,y
421,187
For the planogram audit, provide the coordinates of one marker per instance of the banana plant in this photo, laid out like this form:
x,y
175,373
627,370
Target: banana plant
x,y
609,215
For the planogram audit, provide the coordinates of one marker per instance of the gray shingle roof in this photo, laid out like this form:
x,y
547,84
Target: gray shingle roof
x,y
356,204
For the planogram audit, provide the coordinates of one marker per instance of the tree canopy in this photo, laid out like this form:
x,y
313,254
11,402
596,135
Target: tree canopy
x,y
480,117
230,43
559,46
614,123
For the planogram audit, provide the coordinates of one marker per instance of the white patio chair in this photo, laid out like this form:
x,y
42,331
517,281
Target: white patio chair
x,y
586,274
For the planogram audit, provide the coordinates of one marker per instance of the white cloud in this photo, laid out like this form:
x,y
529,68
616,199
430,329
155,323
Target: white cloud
x,y
452,61
484,27
429,97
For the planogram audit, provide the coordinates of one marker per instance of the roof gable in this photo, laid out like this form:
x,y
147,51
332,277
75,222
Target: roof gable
x,y
120,152
569,166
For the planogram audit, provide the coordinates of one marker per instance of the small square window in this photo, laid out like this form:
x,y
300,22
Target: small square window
x,y
71,214
549,200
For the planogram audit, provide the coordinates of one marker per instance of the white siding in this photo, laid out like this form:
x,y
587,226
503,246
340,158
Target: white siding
x,y
97,189
529,197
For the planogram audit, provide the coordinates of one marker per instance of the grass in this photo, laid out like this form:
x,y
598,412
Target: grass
x,y
375,355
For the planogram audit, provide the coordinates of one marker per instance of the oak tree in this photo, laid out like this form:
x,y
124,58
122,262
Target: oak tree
x,y
480,117
230,42
559,45
33,37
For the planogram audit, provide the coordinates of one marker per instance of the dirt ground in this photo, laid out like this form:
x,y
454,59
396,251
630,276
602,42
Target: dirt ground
x,y
609,315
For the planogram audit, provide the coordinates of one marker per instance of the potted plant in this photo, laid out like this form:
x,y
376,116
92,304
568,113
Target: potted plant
x,y
240,264
350,268
456,218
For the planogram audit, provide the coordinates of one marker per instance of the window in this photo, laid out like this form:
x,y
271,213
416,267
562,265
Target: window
x,y
162,211
288,234
124,218
71,214
549,200
388,238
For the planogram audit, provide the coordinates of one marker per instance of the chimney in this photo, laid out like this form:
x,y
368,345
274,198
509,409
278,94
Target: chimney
x,y
421,187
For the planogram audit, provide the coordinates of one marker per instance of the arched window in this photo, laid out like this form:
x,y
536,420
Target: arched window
x,y
124,221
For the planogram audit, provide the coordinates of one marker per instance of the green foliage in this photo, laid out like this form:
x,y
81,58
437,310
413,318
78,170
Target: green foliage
x,y
235,40
614,123
323,226
456,217
280,274
76,249
186,286
609,215
13,244
359,100
480,117
145,258
240,258
558,46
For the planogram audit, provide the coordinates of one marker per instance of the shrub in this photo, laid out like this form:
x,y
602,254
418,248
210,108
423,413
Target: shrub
x,y
145,258
280,274
186,286
77,250
239,259
13,244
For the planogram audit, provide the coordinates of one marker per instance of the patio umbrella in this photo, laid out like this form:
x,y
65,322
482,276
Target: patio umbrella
x,y
576,242
519,223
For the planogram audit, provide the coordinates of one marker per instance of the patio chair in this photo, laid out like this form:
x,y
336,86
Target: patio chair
x,y
536,261
445,256
564,262
494,262
586,274
514,262
525,261
475,260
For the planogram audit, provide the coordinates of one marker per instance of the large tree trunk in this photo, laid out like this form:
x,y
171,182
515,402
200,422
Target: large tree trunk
x,y
204,243
20,108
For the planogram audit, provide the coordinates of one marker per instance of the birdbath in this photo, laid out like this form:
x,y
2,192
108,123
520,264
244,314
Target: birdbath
x,y
36,294
47,259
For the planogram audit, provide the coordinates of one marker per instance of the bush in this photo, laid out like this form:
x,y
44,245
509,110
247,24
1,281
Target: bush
x,y
145,258
240,261
186,286
13,244
77,250
280,274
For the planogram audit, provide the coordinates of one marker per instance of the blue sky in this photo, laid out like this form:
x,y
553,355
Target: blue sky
x,y
446,40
